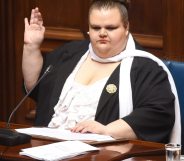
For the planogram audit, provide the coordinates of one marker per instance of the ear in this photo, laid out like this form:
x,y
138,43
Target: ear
x,y
127,29
127,32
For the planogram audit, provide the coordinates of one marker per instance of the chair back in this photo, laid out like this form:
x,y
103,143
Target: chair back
x,y
177,71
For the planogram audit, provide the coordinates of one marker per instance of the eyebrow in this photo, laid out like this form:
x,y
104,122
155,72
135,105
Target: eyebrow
x,y
106,26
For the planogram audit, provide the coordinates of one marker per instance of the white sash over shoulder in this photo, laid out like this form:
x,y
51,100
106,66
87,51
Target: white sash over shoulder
x,y
126,105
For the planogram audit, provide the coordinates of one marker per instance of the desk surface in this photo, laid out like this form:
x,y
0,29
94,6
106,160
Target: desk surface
x,y
128,150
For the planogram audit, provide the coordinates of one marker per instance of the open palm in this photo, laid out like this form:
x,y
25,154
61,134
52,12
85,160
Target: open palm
x,y
34,31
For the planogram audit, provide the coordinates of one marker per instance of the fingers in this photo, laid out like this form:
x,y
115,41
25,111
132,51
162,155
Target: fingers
x,y
26,22
80,127
77,128
87,126
36,17
82,130
86,130
40,20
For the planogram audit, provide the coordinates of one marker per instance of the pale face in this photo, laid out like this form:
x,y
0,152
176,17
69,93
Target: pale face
x,y
107,32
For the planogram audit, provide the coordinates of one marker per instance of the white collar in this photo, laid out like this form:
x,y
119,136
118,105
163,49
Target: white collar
x,y
130,46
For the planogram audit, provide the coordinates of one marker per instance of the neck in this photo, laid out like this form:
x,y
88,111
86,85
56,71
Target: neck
x,y
130,45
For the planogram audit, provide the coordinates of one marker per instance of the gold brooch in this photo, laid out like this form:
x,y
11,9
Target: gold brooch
x,y
111,88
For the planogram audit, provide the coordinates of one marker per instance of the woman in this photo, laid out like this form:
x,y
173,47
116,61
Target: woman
x,y
97,86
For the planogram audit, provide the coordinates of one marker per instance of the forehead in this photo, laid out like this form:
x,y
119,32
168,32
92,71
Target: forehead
x,y
103,16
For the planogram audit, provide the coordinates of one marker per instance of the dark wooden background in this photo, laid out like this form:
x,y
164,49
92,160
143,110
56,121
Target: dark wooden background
x,y
157,25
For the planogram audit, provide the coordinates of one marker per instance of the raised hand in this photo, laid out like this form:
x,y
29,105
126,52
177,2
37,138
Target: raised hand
x,y
34,30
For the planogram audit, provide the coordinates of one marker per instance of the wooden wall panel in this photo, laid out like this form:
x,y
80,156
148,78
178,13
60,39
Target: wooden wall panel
x,y
173,21
146,17
157,25
64,21
7,60
21,9
62,13
146,24
56,36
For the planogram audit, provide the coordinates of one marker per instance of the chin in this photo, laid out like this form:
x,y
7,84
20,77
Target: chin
x,y
103,54
103,50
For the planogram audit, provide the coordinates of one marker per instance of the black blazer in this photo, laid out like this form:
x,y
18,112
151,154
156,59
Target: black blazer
x,y
153,101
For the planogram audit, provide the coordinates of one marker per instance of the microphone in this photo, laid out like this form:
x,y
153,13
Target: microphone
x,y
10,137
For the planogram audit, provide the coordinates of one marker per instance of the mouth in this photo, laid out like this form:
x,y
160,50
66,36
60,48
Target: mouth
x,y
103,41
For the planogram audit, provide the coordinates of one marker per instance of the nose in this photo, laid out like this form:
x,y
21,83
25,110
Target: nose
x,y
102,33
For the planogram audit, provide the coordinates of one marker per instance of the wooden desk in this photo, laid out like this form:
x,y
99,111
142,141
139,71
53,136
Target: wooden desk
x,y
128,150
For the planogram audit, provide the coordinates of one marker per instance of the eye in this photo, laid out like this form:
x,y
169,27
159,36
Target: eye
x,y
110,28
96,28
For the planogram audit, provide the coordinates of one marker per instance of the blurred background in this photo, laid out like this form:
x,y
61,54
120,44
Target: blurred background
x,y
158,25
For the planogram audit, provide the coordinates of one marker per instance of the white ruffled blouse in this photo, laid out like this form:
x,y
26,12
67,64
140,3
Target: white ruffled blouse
x,y
79,104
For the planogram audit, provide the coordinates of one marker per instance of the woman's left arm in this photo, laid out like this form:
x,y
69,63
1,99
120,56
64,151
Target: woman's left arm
x,y
116,129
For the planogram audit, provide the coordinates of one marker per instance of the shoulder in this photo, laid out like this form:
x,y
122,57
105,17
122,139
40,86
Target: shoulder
x,y
72,46
146,61
146,68
142,62
75,45
67,50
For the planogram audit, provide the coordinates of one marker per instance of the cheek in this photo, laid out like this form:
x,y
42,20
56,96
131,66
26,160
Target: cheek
x,y
118,37
93,36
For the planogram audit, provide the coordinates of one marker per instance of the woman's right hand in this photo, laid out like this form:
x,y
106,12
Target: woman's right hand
x,y
32,60
34,30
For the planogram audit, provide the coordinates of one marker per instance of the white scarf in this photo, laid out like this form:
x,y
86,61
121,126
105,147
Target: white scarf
x,y
126,106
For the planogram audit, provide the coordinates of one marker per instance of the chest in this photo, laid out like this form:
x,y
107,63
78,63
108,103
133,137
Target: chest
x,y
91,71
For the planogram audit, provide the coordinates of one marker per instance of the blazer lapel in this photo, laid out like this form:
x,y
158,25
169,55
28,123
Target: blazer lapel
x,y
110,89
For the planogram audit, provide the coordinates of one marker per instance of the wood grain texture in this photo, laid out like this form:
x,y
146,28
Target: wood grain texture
x,y
157,25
